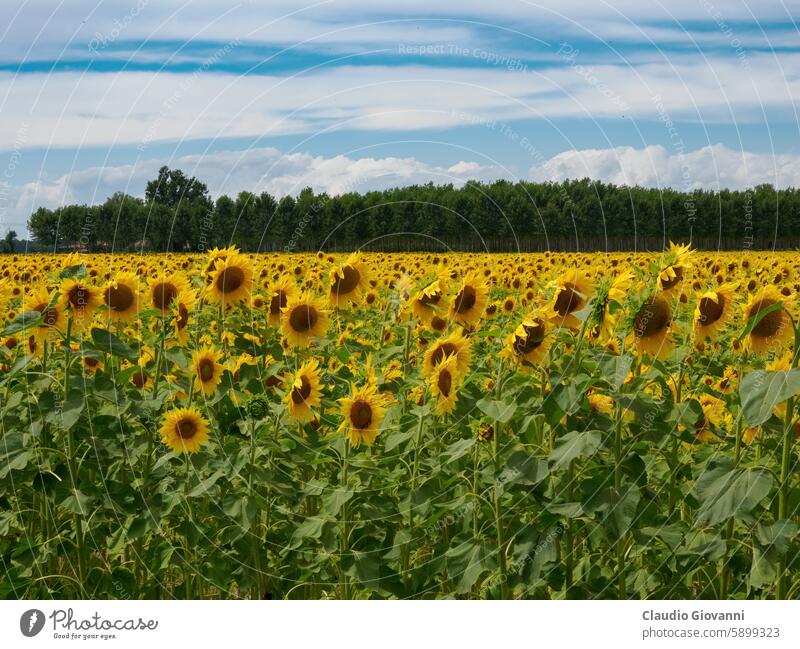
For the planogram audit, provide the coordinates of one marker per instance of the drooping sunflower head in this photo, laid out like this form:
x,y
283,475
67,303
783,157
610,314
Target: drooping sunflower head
x,y
280,294
607,308
363,413
529,342
207,370
428,302
51,310
231,280
184,430
121,297
773,329
163,290
469,303
573,291
305,392
81,300
715,418
183,307
675,266
304,318
713,311
650,329
348,281
455,344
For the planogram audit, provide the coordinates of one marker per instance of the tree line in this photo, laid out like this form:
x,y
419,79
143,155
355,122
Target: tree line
x,y
177,213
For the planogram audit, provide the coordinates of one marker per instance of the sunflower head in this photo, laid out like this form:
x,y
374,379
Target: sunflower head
x,y
651,325
572,293
121,297
207,370
305,392
280,294
456,344
80,299
443,384
164,289
348,281
363,413
713,311
529,342
184,430
51,310
773,329
231,280
304,319
469,302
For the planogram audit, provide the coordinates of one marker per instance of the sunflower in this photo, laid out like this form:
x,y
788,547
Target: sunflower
x,y
81,300
715,416
712,311
470,302
529,343
611,295
572,293
52,313
281,293
651,327
121,296
303,319
306,392
676,267
774,330
207,369
164,289
231,280
183,306
348,281
427,302
215,255
443,384
363,413
456,344
184,430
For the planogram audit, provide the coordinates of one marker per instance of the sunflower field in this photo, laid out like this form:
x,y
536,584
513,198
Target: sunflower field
x,y
420,425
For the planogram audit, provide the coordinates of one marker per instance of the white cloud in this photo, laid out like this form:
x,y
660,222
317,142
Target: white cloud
x,y
712,167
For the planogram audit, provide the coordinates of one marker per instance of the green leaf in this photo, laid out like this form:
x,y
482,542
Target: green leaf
x,y
333,501
615,369
497,410
573,445
311,528
724,491
525,469
459,448
108,342
13,454
78,270
23,321
206,484
71,410
760,391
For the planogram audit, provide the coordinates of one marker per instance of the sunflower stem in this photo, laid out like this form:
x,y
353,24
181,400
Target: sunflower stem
x,y
344,541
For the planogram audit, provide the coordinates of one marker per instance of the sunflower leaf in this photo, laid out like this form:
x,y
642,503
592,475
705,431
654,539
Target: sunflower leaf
x,y
108,342
758,317
23,321
78,270
760,391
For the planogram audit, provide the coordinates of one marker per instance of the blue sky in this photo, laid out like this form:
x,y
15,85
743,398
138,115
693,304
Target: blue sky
x,y
354,95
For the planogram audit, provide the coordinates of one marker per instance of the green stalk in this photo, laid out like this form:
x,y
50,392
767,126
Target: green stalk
x,y
344,583
498,520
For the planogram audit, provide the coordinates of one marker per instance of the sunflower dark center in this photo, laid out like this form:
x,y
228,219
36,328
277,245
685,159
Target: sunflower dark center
x,y
205,369
770,324
534,335
119,298
78,297
430,300
652,318
49,316
347,282
91,362
183,316
303,318
445,383
466,299
277,303
711,311
186,428
139,379
163,293
438,324
299,395
442,351
230,279
568,300
361,414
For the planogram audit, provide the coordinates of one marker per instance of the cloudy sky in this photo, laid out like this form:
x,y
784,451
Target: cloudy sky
x,y
345,95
